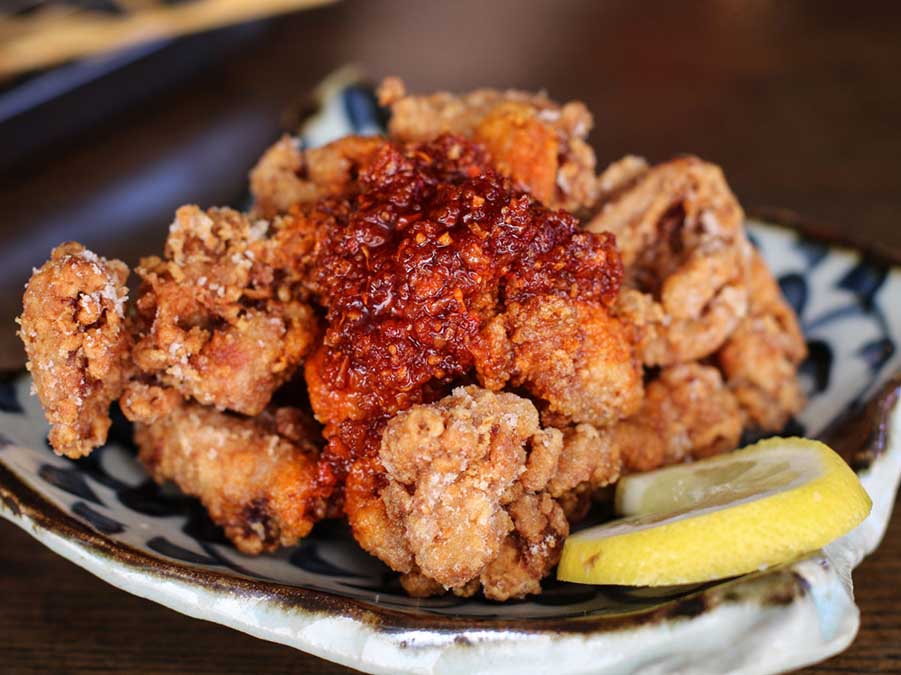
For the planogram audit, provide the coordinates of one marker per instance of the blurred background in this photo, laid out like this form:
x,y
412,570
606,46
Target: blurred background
x,y
115,112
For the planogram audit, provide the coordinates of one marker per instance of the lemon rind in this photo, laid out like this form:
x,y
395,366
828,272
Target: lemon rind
x,y
703,547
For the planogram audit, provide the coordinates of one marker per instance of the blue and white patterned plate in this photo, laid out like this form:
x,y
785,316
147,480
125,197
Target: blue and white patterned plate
x,y
327,597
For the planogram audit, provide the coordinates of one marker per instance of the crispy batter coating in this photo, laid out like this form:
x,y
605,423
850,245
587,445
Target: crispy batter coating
x,y
680,232
688,412
529,138
373,528
213,322
588,462
470,492
760,359
574,356
561,473
287,175
146,403
530,553
665,341
587,459
255,476
465,493
74,329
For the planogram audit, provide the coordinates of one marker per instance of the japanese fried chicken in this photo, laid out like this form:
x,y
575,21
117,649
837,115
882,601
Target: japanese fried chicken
x,y
214,323
760,359
466,482
256,476
479,359
73,326
537,143
431,248
680,232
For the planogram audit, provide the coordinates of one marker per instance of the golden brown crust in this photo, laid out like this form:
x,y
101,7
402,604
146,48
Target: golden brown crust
x,y
688,412
373,528
449,467
420,519
74,329
531,139
465,496
255,481
572,355
680,232
760,359
287,175
212,322
586,459
530,552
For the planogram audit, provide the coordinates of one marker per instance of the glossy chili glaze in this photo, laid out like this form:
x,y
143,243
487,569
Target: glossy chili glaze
x,y
430,245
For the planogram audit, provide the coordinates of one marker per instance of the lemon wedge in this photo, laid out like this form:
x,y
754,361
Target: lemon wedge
x,y
723,516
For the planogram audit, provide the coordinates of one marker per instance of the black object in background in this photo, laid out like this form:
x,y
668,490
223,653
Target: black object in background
x,y
45,108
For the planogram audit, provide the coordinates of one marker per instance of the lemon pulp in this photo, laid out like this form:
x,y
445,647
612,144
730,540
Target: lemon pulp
x,y
720,517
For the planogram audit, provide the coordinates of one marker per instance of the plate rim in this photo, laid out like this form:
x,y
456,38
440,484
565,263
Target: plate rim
x,y
834,236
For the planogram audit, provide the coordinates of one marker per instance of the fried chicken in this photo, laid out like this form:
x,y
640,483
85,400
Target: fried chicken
x,y
430,250
574,356
484,454
287,175
74,329
212,321
466,495
680,232
474,494
256,477
687,412
760,359
528,137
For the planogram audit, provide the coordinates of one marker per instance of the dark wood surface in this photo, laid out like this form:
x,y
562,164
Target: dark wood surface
x,y
800,102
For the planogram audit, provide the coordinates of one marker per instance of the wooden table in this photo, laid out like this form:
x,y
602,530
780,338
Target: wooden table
x,y
800,103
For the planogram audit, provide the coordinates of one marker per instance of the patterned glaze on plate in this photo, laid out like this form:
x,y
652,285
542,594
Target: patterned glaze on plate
x,y
327,597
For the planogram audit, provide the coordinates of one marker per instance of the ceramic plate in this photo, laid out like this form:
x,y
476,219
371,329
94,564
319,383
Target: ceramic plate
x,y
327,597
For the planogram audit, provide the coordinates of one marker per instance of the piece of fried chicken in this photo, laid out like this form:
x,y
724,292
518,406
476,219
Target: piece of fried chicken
x,y
434,247
287,174
680,232
760,359
74,329
469,495
213,318
255,476
576,357
536,142
688,412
